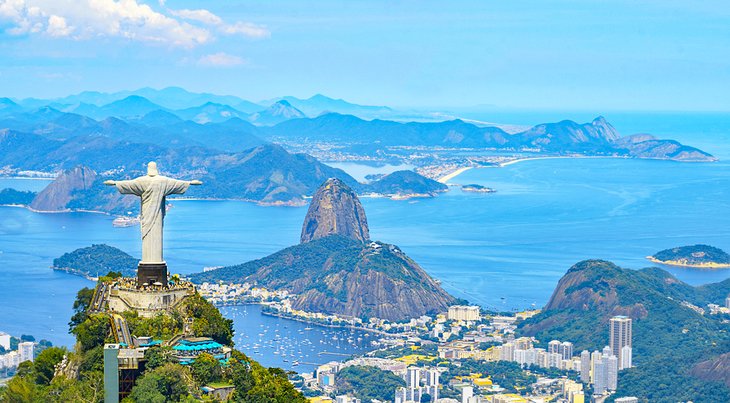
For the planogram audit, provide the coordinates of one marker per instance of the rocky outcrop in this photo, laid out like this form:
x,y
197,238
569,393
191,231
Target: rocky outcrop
x,y
335,210
717,369
57,195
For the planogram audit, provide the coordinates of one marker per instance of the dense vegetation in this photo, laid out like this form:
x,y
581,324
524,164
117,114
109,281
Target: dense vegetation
x,y
12,196
96,260
694,255
163,380
368,383
668,337
507,374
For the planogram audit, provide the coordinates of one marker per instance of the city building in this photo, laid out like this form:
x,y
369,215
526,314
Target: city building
x,y
611,372
627,400
463,312
25,349
625,357
5,341
346,399
620,335
467,392
599,377
585,366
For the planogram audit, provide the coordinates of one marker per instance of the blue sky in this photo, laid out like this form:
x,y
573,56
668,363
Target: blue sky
x,y
601,55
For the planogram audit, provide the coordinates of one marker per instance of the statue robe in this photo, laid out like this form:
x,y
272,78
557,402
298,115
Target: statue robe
x,y
152,191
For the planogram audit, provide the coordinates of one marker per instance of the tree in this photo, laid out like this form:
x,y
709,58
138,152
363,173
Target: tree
x,y
426,398
168,383
206,369
20,389
27,337
92,332
45,364
81,304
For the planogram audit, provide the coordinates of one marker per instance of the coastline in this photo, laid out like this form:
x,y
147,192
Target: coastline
x,y
453,175
678,263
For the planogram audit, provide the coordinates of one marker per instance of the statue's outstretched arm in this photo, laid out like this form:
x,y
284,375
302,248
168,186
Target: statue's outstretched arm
x,y
110,183
196,182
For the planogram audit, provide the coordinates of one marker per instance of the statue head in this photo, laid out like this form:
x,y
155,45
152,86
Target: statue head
x,y
152,169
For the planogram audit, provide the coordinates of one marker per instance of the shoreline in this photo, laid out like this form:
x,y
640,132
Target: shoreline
x,y
677,263
453,175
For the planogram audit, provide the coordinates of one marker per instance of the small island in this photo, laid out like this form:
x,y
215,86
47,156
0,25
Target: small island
x,y
700,256
477,189
95,261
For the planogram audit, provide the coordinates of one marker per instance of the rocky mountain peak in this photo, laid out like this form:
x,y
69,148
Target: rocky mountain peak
x,y
58,193
335,210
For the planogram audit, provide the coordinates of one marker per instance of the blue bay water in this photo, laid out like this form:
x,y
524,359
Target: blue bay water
x,y
505,250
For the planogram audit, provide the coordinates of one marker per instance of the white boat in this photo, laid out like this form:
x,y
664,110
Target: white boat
x,y
125,221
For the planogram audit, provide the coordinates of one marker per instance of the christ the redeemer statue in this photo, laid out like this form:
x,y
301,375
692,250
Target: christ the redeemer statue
x,y
152,189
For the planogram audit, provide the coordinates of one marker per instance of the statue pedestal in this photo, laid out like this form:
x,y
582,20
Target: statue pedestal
x,y
151,273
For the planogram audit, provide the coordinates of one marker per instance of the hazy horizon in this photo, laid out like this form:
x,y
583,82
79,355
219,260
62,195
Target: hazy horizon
x,y
649,56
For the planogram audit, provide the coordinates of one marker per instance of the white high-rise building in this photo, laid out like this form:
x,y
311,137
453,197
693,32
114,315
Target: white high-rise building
x,y
554,360
612,372
625,357
620,334
463,312
508,352
627,400
432,383
595,358
599,376
413,377
25,349
554,346
566,349
585,366
5,341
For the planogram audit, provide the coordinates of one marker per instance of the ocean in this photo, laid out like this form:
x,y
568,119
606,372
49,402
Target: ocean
x,y
504,251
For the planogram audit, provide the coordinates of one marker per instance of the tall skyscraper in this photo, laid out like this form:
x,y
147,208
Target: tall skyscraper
x,y
620,336
585,366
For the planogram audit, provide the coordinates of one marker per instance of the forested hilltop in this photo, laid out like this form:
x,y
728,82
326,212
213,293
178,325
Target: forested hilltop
x,y
96,260
61,375
702,256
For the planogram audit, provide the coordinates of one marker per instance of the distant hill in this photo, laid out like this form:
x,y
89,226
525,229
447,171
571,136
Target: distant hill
x,y
335,271
133,105
96,261
594,138
319,104
406,184
669,335
276,113
210,113
703,256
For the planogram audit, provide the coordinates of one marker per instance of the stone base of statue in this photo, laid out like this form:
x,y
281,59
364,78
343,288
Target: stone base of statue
x,y
152,274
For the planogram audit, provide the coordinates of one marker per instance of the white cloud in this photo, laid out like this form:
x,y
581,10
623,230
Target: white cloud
x,y
220,59
128,19
57,26
203,16
247,29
